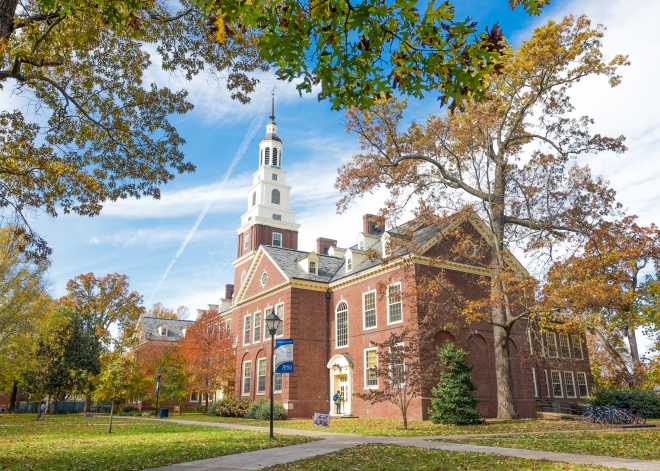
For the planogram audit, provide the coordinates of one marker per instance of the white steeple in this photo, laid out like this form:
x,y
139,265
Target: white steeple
x,y
269,197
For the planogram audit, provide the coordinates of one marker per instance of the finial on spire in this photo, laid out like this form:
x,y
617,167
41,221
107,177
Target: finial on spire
x,y
272,109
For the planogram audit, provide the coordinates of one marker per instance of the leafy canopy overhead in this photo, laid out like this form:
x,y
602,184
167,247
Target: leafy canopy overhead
x,y
359,50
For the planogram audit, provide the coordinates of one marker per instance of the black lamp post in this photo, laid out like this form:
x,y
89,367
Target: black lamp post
x,y
160,372
272,322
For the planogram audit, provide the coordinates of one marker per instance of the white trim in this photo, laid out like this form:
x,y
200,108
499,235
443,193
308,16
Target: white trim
x,y
249,332
281,326
390,322
561,389
256,338
561,346
265,329
364,357
547,383
337,346
586,385
273,239
243,393
275,375
364,319
579,344
554,338
246,241
261,278
259,362
194,393
566,375
536,388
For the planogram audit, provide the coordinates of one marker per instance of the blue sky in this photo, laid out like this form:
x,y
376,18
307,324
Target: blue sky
x,y
141,237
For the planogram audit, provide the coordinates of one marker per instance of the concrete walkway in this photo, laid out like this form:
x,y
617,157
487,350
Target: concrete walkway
x,y
332,442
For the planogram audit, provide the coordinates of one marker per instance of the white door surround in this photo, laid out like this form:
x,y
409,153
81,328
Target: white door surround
x,y
340,368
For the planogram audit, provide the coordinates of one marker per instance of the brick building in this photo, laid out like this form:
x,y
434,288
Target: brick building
x,y
332,306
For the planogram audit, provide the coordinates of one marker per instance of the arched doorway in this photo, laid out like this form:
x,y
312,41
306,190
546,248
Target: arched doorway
x,y
341,368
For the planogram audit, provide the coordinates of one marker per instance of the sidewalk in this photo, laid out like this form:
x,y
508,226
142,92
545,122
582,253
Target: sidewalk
x,y
332,442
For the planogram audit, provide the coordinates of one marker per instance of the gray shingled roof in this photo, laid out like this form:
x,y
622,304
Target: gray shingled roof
x,y
287,260
174,326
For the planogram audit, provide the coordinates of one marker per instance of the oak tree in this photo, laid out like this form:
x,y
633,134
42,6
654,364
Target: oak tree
x,y
99,127
158,310
510,159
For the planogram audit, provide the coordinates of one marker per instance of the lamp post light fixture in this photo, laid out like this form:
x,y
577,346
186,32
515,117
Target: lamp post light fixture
x,y
272,322
159,372
336,368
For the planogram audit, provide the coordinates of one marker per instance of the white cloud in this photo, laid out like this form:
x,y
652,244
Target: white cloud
x,y
158,237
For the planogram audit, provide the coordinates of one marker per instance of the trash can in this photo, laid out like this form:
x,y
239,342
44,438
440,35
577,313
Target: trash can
x,y
163,412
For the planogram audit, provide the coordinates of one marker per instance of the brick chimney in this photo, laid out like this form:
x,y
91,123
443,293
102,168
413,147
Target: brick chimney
x,y
323,244
369,225
229,291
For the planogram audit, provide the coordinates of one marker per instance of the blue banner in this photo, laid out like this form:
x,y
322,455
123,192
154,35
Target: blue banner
x,y
283,355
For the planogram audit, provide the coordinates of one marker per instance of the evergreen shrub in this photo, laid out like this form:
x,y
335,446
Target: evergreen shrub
x,y
129,408
202,409
232,407
453,401
640,399
212,409
260,409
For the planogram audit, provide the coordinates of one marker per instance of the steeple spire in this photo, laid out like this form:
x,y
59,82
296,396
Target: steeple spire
x,y
272,110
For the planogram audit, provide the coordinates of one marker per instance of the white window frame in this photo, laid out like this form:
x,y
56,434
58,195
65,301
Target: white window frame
x,y
228,326
261,361
162,330
278,378
364,310
577,347
561,389
349,264
367,368
389,305
547,383
279,310
194,396
569,374
266,314
554,342
249,378
246,241
273,241
536,387
583,375
403,383
256,327
337,346
247,329
312,267
562,338
274,177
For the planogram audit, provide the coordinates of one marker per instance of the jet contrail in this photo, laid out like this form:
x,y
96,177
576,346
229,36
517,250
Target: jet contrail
x,y
256,124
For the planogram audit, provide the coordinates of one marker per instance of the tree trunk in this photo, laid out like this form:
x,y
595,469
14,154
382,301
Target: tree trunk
x,y
88,402
506,403
14,396
634,351
7,12
112,410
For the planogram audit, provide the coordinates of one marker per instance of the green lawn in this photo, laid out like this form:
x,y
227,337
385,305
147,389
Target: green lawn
x,y
384,427
74,443
642,444
401,458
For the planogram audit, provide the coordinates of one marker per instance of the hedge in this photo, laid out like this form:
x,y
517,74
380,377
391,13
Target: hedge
x,y
648,401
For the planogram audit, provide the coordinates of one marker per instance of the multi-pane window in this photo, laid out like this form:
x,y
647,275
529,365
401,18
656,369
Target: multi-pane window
x,y
370,365
570,383
277,382
246,242
565,347
312,268
349,263
551,341
397,365
342,324
394,308
228,326
280,313
582,384
266,330
194,396
369,307
536,387
247,377
277,239
577,347
274,176
556,384
261,376
547,383
277,217
257,326
247,328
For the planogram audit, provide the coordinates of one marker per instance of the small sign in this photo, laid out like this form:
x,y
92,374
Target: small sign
x,y
284,356
322,420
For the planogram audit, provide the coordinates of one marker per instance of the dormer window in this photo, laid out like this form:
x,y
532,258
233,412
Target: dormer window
x,y
349,263
183,332
312,268
386,249
361,245
162,330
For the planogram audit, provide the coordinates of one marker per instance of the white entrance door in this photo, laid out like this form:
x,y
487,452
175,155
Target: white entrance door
x,y
345,393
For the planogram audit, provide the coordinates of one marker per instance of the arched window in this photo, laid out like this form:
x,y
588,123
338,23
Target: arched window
x,y
254,198
267,161
342,324
275,197
275,156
